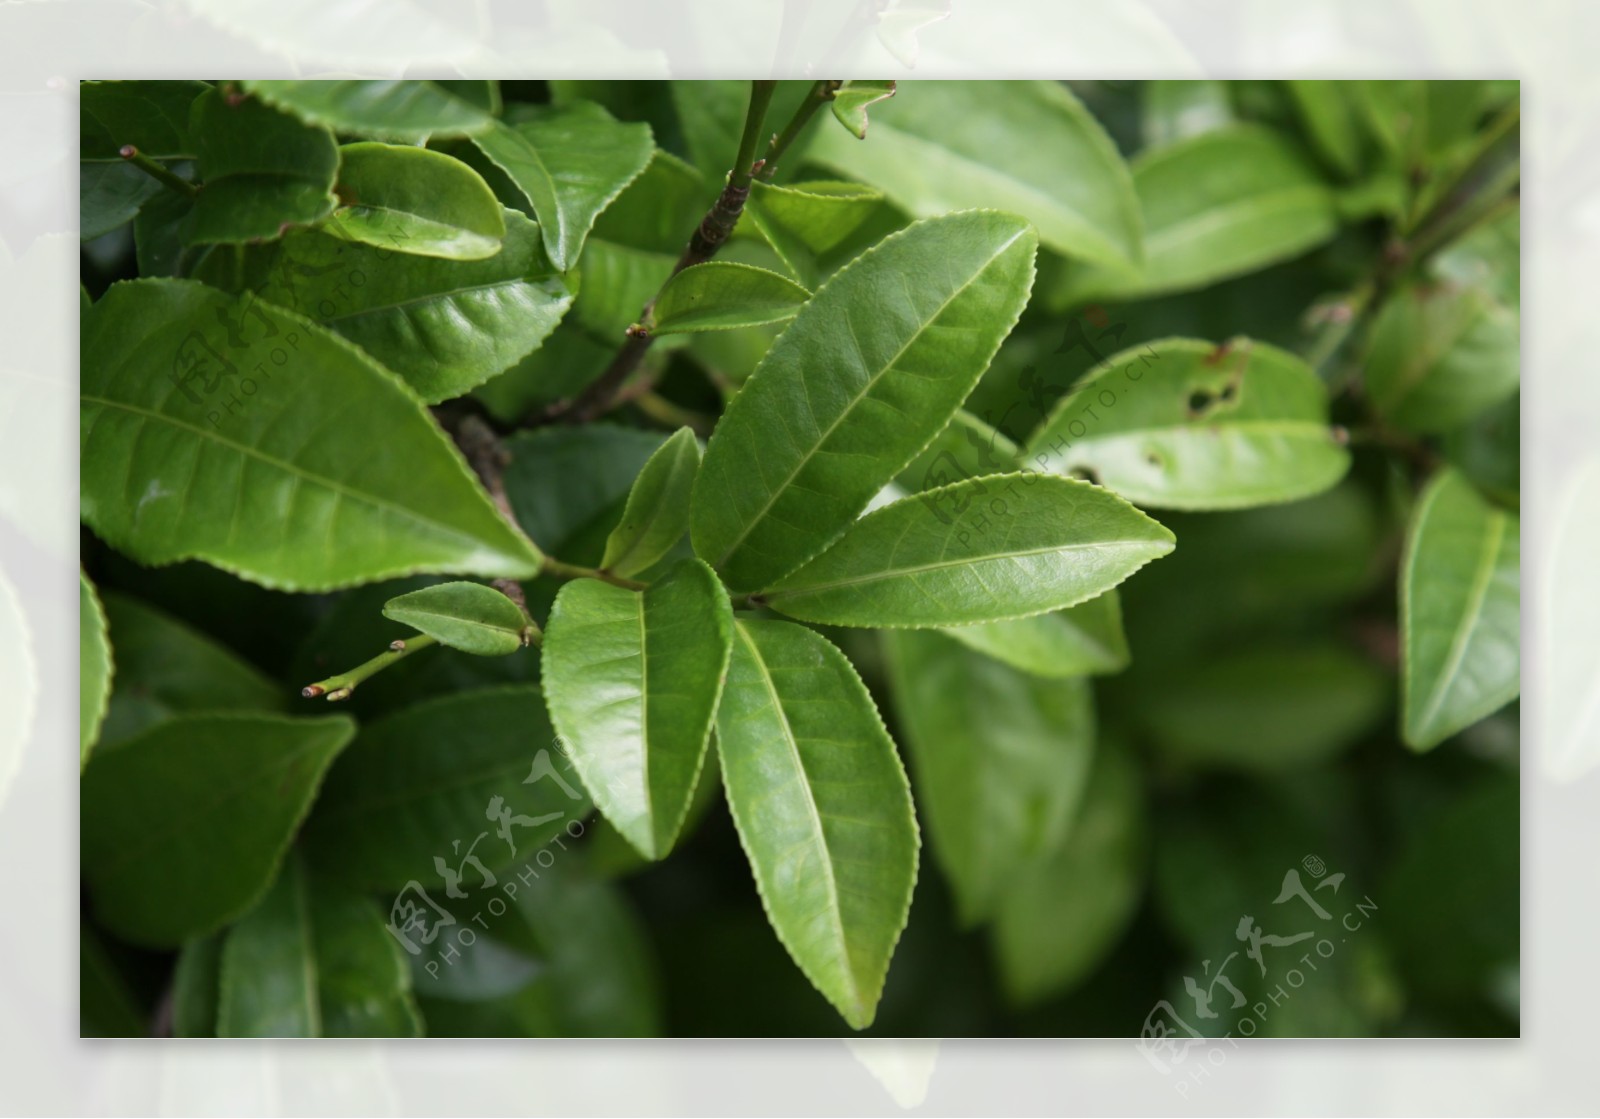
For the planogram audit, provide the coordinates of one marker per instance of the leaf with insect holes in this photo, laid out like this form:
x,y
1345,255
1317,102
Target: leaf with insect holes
x,y
417,201
403,111
1184,424
722,295
657,513
466,616
852,100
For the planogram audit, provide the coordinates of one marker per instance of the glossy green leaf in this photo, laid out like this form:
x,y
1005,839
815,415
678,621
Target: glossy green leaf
x,y
657,513
1081,640
982,550
94,668
1184,424
403,111
633,680
415,201
1063,914
466,616
165,668
1027,147
472,773
865,376
852,100
176,839
999,759
195,447
1460,611
195,988
818,227
153,116
570,161
263,170
1179,110
722,295
445,326
822,806
313,961
1220,204
110,195
1440,355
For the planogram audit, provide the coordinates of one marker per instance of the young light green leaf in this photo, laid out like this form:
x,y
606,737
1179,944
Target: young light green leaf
x,y
1063,914
94,668
981,550
1218,205
632,680
415,201
822,806
570,161
1441,354
852,100
313,961
263,170
196,447
657,513
722,295
467,616
470,775
152,116
817,228
1027,147
445,326
1460,611
867,374
1184,424
999,759
176,840
1086,639
402,111
1179,110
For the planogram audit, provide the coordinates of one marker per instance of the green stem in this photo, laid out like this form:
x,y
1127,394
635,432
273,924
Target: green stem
x,y
821,93
754,118
159,173
664,411
561,570
340,686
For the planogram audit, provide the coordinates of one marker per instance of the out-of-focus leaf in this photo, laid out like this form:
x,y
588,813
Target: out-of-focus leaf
x,y
196,982
94,668
402,111
657,513
722,295
1331,116
263,170
225,442
1489,258
415,201
852,100
982,550
1026,147
1086,639
107,1007
1488,450
790,466
109,195
1460,611
999,759
1178,110
1184,424
822,807
466,616
711,116
818,227
177,838
152,116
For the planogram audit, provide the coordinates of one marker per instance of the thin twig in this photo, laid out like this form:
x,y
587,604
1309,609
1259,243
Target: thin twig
x,y
159,173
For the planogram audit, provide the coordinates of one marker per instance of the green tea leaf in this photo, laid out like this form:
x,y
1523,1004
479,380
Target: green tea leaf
x,y
94,668
1221,204
1440,355
633,680
852,100
818,227
466,616
657,513
196,980
1460,611
402,111
570,161
982,550
1175,111
1184,424
196,447
868,372
471,774
152,116
1086,639
999,759
313,961
1330,113
263,170
107,1005
445,326
110,195
1488,450
177,839
822,807
415,201
1027,147
722,295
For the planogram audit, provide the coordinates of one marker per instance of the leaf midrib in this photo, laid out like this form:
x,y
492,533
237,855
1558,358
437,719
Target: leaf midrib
x,y
1470,618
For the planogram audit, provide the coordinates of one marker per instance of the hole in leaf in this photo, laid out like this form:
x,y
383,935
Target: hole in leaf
x,y
1199,401
1084,474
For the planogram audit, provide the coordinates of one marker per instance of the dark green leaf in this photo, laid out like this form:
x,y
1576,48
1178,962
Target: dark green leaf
x,y
107,1006
722,295
466,616
177,840
415,201
569,484
871,368
196,447
1460,611
195,988
94,668
263,170
1086,639
852,100
110,195
152,116
657,513
822,808
394,110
